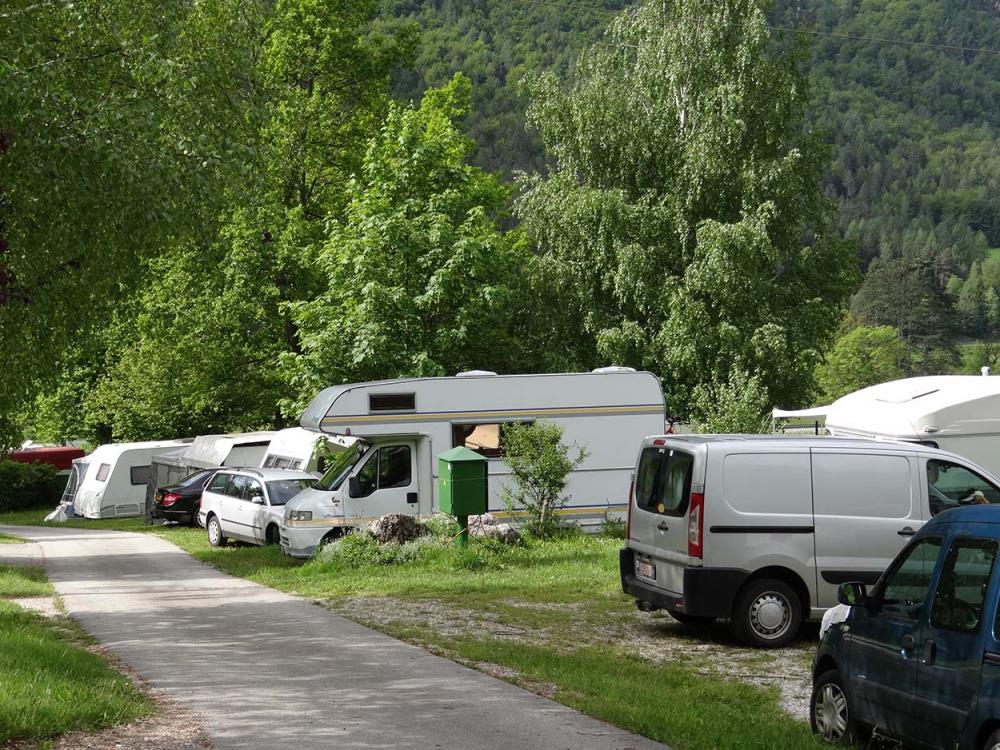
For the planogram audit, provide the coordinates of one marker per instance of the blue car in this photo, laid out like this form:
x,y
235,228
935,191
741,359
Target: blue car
x,y
918,657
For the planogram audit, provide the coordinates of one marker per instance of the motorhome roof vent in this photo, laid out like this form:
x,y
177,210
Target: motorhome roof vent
x,y
475,374
613,368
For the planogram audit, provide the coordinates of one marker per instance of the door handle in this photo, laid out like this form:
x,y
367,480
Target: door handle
x,y
908,642
662,526
930,652
906,531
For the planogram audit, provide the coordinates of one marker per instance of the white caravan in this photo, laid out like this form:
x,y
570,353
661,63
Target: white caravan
x,y
957,413
308,450
111,481
402,426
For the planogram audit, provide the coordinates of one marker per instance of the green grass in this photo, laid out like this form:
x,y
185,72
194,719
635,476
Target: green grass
x,y
51,684
565,591
8,539
23,580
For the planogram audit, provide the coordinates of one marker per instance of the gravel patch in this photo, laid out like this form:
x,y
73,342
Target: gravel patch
x,y
656,637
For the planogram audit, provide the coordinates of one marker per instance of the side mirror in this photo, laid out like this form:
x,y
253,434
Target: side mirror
x,y
354,486
257,499
852,594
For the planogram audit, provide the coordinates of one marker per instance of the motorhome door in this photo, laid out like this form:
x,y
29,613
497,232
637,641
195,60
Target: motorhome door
x,y
385,483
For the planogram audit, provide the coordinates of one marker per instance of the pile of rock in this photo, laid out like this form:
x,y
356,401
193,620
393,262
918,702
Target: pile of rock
x,y
486,526
396,528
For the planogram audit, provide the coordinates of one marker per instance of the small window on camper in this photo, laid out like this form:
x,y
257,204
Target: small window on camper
x,y
139,474
392,402
102,472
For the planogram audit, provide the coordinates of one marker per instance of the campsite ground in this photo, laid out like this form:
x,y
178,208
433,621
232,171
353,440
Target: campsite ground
x,y
550,617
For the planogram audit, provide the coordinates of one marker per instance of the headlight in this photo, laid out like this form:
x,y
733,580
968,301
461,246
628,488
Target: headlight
x,y
300,515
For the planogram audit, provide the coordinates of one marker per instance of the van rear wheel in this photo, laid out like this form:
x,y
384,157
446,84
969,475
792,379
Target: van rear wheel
x,y
767,613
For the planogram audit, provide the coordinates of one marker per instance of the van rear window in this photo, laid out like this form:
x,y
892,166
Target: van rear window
x,y
663,481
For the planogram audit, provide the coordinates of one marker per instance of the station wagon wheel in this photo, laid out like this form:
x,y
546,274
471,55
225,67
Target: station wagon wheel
x,y
215,536
829,710
767,613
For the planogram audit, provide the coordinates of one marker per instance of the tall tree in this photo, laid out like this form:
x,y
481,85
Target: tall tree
x,y
682,218
420,280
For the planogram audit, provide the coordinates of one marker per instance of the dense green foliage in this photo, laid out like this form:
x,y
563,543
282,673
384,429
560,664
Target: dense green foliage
x,y
864,356
25,486
681,223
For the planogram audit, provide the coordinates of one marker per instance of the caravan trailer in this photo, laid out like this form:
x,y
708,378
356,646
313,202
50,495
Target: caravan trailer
x,y
111,481
308,450
957,413
401,426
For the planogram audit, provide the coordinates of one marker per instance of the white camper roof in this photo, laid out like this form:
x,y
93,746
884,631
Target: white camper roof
x,y
481,396
920,408
214,450
111,452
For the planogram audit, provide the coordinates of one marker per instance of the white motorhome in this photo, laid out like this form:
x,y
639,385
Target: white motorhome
x,y
957,413
111,481
307,450
402,426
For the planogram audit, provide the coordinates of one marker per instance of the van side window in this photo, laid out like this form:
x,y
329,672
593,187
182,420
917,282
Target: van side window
x,y
663,481
390,467
961,590
950,485
905,588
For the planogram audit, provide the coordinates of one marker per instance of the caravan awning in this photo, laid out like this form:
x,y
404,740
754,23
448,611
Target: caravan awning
x,y
818,412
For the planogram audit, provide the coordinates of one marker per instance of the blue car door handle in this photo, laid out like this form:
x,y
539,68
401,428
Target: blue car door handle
x,y
930,652
908,642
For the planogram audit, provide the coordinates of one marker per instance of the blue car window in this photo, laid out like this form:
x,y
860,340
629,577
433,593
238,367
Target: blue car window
x,y
906,586
961,590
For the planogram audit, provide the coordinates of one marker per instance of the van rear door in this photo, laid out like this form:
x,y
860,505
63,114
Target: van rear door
x,y
659,525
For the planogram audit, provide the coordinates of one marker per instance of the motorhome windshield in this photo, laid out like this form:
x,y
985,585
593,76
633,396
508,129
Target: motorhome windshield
x,y
341,466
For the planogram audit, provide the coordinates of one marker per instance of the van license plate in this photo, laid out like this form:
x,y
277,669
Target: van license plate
x,y
645,569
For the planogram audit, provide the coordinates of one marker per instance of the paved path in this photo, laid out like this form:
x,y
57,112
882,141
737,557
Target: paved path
x,y
267,670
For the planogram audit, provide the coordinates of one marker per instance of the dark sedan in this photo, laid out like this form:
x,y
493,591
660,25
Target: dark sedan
x,y
180,502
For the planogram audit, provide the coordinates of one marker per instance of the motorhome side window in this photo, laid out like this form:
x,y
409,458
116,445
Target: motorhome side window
x,y
950,485
484,439
663,481
392,402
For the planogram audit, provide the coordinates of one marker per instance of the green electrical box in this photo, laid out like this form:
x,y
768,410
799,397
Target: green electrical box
x,y
462,482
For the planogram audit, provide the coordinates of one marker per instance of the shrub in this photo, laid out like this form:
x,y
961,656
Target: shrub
x,y
362,549
26,486
539,463
613,526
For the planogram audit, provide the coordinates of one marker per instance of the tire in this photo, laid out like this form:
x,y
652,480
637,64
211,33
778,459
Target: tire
x,y
830,714
194,519
272,535
767,613
686,619
215,535
993,741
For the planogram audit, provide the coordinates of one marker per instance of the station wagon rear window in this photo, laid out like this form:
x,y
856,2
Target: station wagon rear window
x,y
392,402
663,481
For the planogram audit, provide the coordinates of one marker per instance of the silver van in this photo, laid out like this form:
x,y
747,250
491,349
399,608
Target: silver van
x,y
763,529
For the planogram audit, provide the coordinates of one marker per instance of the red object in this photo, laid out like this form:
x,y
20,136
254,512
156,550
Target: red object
x,y
659,441
60,458
696,520
170,498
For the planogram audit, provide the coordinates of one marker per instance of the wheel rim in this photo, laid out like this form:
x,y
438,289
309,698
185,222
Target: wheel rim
x,y
830,711
213,531
770,615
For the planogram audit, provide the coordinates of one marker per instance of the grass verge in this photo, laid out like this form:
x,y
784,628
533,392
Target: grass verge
x,y
549,613
23,581
50,683
7,539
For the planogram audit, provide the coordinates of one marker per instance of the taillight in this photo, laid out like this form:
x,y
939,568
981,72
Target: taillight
x,y
170,498
696,524
628,513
